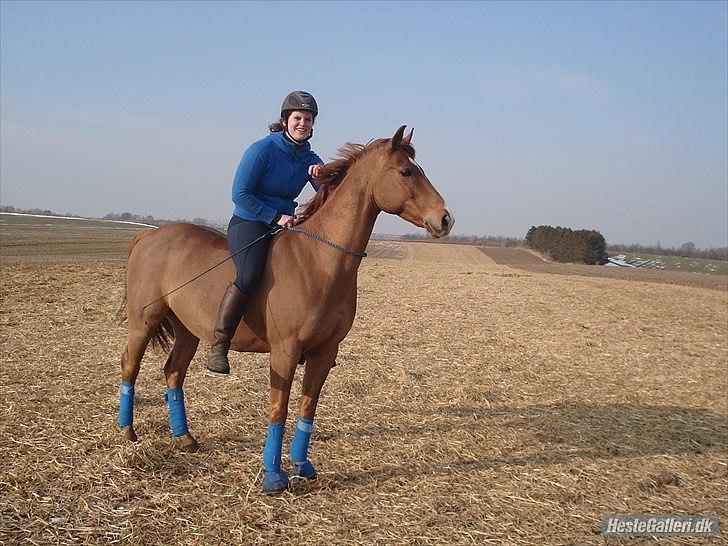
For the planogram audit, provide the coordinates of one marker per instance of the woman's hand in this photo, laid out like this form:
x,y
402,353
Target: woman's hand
x,y
314,171
285,221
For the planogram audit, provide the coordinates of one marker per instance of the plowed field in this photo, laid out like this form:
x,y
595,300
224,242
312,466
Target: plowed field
x,y
473,403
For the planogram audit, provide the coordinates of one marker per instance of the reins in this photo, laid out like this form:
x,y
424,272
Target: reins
x,y
330,243
246,247
273,231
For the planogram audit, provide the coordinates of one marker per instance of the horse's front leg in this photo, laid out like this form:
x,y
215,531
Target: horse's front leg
x,y
318,365
282,369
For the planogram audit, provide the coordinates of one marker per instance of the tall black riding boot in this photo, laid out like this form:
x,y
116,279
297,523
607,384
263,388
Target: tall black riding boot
x,y
231,311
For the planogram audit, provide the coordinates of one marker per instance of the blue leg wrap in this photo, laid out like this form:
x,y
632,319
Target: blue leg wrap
x,y
177,418
126,404
275,479
302,467
301,439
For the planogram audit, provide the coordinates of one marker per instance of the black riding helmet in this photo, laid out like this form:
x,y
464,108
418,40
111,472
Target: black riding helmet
x,y
299,100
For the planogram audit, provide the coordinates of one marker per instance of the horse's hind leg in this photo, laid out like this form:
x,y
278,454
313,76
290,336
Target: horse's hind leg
x,y
131,360
175,370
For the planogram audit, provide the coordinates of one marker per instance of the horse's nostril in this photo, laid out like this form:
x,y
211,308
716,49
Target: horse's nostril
x,y
446,220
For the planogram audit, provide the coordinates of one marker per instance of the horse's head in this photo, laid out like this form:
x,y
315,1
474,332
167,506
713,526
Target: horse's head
x,y
402,188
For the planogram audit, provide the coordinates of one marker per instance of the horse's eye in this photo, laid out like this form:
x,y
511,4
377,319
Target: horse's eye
x,y
405,172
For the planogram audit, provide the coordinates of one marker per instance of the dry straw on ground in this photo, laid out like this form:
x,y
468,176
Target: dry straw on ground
x,y
472,404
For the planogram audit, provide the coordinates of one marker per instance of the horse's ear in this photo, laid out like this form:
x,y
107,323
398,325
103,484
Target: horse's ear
x,y
397,138
408,138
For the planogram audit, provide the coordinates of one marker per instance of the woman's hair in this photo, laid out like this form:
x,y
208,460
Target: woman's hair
x,y
277,126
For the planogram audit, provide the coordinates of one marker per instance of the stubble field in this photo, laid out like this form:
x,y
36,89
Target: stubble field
x,y
473,403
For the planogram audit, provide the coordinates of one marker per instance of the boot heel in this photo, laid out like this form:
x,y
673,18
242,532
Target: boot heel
x,y
217,360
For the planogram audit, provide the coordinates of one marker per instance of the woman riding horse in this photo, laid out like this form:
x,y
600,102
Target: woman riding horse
x,y
305,302
271,174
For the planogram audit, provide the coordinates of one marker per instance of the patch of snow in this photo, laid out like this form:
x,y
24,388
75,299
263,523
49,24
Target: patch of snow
x,y
75,218
618,261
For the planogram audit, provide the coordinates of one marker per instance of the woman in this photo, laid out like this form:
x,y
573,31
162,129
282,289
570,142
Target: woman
x,y
271,174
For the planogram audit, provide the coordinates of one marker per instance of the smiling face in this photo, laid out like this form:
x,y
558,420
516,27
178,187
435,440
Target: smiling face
x,y
299,125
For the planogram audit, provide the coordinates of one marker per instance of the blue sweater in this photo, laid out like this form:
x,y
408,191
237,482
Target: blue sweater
x,y
271,174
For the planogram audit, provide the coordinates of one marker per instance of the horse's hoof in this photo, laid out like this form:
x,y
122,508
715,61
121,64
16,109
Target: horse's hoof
x,y
302,472
275,482
128,433
188,444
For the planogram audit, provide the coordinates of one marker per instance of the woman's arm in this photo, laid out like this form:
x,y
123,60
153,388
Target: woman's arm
x,y
251,169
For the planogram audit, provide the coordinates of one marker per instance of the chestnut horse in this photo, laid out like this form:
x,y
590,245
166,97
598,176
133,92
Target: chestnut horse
x,y
305,303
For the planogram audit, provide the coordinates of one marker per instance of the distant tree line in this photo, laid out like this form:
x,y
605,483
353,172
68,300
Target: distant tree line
x,y
44,212
686,250
479,240
568,245
129,217
149,219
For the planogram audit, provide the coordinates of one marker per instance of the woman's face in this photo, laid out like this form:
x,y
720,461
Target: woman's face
x,y
299,124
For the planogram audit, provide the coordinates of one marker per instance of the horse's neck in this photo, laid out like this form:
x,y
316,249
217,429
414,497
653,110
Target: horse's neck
x,y
346,218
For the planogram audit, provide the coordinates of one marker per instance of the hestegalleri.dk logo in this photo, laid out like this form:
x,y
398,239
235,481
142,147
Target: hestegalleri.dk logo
x,y
647,525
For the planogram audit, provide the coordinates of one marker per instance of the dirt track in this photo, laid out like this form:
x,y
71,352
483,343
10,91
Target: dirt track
x,y
513,257
472,404
446,254
525,260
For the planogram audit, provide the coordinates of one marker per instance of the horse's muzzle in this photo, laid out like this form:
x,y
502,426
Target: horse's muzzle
x,y
446,223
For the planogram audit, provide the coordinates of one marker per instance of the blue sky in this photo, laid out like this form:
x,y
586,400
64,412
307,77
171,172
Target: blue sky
x,y
600,115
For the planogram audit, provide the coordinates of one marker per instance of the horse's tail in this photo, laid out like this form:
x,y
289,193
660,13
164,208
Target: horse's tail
x,y
163,335
121,311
